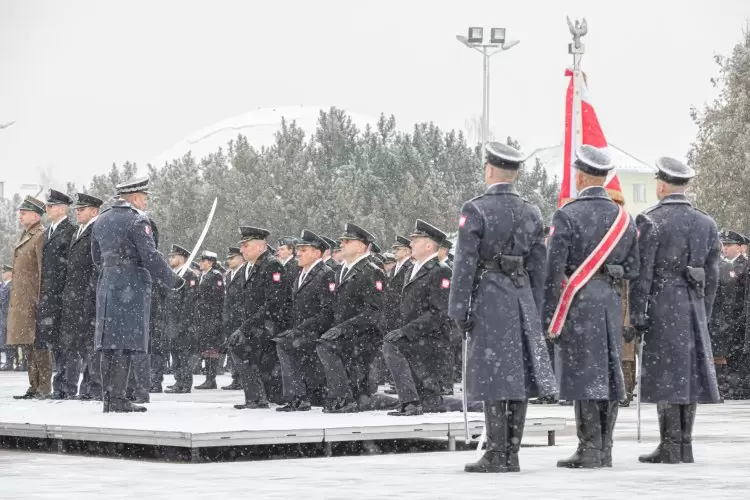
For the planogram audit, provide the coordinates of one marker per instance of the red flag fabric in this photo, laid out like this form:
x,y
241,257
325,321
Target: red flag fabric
x,y
592,135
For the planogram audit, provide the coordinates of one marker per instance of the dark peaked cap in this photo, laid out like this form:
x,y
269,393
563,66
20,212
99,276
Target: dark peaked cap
x,y
248,233
354,232
134,186
731,237
673,171
58,198
178,250
310,239
86,200
501,155
402,241
234,252
374,248
7,268
31,204
333,245
287,240
425,230
592,161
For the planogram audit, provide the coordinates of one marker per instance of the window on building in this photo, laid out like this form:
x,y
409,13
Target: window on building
x,y
639,193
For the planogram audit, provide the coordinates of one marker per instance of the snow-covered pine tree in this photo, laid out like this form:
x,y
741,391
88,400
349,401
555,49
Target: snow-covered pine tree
x,y
721,151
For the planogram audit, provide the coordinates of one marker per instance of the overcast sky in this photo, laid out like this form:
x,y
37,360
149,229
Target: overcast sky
x,y
92,82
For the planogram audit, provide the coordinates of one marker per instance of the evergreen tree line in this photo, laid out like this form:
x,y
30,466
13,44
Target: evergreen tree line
x,y
379,178
721,151
384,179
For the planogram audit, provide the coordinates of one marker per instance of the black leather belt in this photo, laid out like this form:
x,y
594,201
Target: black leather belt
x,y
116,261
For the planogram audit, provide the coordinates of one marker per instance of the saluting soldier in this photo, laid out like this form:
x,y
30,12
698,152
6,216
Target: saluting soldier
x,y
24,298
79,308
54,268
728,321
348,348
124,250
312,315
495,299
233,306
182,327
414,349
266,313
592,248
209,311
671,304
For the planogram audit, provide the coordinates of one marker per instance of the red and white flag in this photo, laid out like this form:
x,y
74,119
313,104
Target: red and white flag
x,y
592,134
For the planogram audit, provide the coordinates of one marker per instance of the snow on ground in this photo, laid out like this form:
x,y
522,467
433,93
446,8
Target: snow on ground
x,y
722,449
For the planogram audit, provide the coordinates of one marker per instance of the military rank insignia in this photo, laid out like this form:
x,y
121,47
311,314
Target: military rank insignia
x,y
462,221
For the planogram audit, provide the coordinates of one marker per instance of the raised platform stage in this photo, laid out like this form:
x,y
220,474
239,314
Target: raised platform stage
x,y
206,419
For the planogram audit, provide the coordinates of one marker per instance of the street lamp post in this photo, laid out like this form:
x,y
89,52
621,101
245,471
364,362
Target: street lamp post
x,y
497,43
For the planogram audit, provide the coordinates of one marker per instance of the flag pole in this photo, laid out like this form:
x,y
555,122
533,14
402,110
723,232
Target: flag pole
x,y
576,48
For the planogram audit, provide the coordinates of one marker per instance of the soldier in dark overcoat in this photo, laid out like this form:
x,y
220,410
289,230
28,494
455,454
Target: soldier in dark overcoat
x,y
395,283
181,326
124,250
348,348
312,315
233,305
266,313
495,298
592,248
728,320
139,376
79,308
414,349
287,255
209,309
54,269
671,303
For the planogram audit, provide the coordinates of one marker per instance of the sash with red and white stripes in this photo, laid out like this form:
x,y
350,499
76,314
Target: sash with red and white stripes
x,y
587,270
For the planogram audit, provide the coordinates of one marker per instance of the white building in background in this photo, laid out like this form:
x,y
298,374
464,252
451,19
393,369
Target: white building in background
x,y
636,177
259,126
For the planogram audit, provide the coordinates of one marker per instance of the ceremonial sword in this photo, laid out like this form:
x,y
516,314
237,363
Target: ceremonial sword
x,y
639,368
197,247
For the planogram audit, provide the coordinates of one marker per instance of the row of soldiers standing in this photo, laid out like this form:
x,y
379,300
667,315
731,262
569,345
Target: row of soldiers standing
x,y
507,290
317,328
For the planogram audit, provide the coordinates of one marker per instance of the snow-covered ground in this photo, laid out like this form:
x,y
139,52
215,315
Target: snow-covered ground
x,y
722,470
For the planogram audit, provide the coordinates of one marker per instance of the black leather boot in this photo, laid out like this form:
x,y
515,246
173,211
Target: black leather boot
x,y
496,424
210,382
516,423
608,416
105,365
687,414
669,450
118,403
589,428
